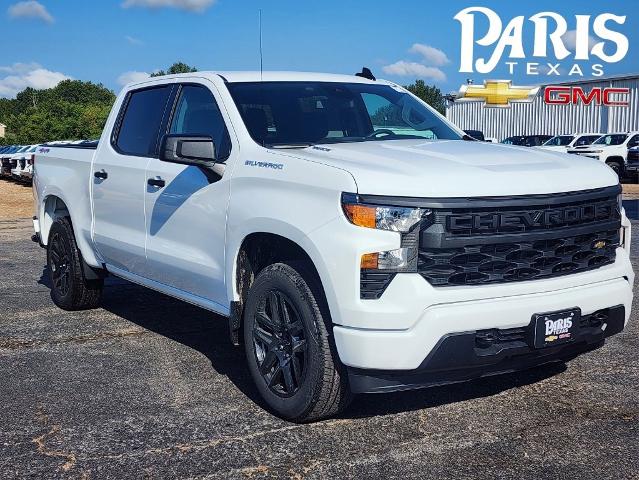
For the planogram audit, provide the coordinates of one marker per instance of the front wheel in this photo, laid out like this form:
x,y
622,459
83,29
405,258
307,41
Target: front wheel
x,y
288,346
616,166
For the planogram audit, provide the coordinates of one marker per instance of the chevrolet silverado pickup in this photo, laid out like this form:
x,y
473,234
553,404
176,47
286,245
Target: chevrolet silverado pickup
x,y
612,149
355,240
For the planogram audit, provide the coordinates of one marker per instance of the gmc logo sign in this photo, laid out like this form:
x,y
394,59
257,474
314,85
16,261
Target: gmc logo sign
x,y
608,96
518,221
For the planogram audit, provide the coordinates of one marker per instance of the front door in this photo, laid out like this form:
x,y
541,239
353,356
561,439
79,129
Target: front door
x,y
119,179
186,205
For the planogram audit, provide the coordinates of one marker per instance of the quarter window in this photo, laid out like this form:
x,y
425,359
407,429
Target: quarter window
x,y
197,113
140,124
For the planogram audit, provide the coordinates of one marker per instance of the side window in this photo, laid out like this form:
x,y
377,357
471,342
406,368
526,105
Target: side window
x,y
197,113
634,141
140,124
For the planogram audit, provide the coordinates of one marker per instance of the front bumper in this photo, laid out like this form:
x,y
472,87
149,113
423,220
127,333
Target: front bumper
x,y
406,349
468,355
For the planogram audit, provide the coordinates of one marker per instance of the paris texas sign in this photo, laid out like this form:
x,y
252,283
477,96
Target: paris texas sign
x,y
590,42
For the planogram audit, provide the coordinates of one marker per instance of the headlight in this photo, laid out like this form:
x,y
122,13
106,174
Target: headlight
x,y
404,220
395,219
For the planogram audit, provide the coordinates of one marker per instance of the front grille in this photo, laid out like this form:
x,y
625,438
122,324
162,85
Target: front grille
x,y
519,238
508,262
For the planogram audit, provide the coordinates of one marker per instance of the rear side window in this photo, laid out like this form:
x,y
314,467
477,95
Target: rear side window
x,y
140,124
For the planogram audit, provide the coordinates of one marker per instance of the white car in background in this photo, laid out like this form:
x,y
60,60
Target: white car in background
x,y
26,174
611,148
21,159
562,143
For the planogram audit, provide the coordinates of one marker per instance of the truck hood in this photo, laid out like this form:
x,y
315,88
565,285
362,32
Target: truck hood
x,y
454,168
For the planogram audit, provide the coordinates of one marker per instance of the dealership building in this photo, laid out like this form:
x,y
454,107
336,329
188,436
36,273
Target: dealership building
x,y
543,119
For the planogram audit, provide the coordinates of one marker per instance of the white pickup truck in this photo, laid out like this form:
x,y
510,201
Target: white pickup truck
x,y
612,149
356,240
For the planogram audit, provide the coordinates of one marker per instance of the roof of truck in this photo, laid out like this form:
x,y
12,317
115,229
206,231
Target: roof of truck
x,y
256,76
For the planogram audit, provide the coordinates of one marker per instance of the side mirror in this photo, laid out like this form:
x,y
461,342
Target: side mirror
x,y
198,150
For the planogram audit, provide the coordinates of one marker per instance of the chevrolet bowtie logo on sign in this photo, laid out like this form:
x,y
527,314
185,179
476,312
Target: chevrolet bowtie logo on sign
x,y
497,93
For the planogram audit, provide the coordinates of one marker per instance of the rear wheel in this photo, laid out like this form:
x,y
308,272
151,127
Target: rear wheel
x,y
70,289
288,346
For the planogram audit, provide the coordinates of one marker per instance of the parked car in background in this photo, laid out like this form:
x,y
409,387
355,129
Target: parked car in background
x,y
6,160
562,143
632,163
526,140
612,149
24,169
476,134
5,152
19,161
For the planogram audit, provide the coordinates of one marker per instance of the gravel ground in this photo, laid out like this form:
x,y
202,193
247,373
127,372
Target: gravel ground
x,y
16,200
149,387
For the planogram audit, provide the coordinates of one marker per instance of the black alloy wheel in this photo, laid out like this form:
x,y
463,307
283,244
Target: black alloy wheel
x,y
288,344
60,264
70,289
280,344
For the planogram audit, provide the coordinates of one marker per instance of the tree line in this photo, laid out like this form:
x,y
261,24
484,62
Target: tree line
x,y
75,109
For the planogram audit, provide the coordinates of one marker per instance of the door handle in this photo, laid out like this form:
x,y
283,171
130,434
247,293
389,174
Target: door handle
x,y
102,175
156,182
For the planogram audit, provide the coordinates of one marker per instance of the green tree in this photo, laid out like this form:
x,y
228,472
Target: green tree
x,y
429,93
72,110
177,67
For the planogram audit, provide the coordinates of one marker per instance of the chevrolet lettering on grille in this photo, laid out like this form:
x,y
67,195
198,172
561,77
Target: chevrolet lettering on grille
x,y
533,219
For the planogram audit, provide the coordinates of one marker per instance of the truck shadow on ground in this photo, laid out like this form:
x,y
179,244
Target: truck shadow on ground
x,y
207,333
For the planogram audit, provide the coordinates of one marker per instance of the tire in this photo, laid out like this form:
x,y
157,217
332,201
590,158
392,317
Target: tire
x,y
288,346
70,290
616,166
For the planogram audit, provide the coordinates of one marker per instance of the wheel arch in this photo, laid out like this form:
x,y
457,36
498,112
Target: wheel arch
x,y
257,250
53,207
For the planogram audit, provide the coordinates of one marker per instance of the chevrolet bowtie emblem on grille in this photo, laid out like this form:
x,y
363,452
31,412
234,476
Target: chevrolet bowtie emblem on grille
x,y
599,244
497,93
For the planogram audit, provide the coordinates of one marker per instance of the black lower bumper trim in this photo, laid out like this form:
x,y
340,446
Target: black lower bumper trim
x,y
460,357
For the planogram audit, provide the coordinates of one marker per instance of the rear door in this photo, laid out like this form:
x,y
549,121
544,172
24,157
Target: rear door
x,y
186,205
119,178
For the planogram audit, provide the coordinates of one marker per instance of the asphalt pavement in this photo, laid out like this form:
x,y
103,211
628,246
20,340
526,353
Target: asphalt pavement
x,y
149,387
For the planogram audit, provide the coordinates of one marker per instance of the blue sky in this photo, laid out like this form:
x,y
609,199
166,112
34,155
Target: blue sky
x,y
105,40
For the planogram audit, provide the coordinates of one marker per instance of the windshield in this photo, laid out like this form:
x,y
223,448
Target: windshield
x,y
559,141
586,140
514,140
304,113
614,139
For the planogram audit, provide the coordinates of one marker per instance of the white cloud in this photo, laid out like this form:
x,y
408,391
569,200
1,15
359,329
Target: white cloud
x,y
30,9
132,76
197,6
22,75
431,55
133,40
405,69
570,40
